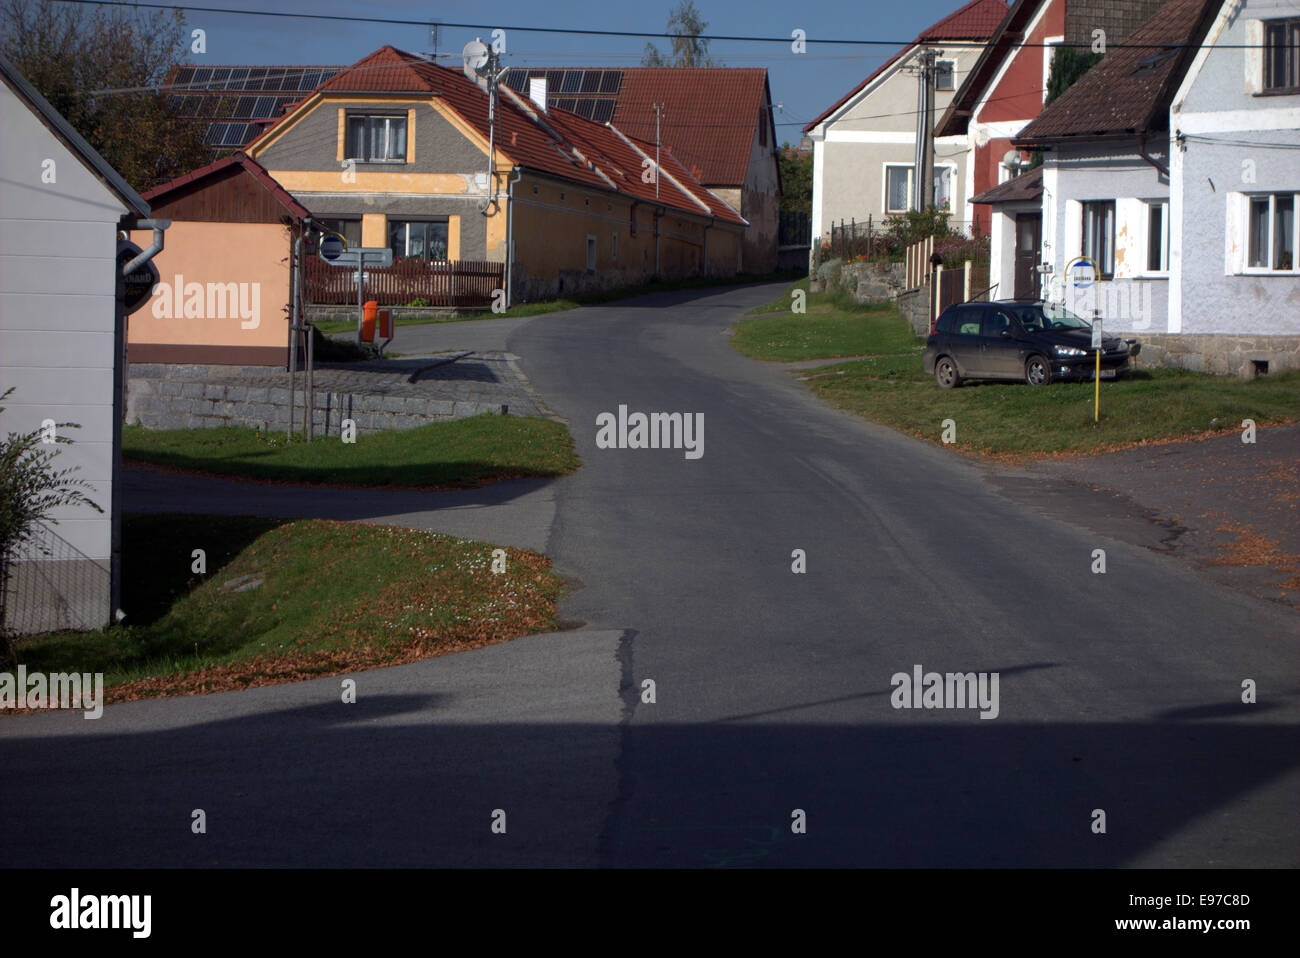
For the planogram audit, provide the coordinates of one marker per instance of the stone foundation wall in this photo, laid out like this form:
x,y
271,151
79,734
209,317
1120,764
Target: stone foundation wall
x,y
1222,354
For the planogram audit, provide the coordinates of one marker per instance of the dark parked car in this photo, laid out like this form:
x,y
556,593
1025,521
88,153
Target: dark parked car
x,y
1034,341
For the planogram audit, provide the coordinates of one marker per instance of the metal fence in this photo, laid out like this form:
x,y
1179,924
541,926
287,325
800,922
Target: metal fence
x,y
49,584
855,238
450,283
794,229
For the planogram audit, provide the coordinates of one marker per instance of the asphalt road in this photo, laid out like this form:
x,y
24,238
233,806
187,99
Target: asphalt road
x,y
1118,692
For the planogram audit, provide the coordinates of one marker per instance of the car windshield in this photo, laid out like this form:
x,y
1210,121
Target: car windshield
x,y
1048,316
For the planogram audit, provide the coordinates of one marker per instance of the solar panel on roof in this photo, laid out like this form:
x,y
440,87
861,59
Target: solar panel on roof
x,y
604,111
216,134
564,103
202,75
591,80
240,133
264,107
585,107
517,80
220,76
207,106
572,81
183,75
309,80
237,77
609,80
554,79
244,108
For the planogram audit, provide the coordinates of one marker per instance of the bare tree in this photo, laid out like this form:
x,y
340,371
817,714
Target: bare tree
x,y
686,24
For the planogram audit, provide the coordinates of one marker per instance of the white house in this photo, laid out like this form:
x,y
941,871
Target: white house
x,y
1171,167
1234,187
864,145
60,345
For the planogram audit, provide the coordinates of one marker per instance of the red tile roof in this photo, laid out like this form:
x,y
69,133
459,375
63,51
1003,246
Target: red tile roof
x,y
1129,91
976,21
250,165
1004,42
709,120
555,142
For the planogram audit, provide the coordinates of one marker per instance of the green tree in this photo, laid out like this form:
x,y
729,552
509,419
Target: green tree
x,y
72,53
686,25
1068,65
796,179
30,489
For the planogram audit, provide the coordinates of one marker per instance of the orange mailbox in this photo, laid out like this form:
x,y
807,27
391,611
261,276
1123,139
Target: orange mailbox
x,y
385,325
368,321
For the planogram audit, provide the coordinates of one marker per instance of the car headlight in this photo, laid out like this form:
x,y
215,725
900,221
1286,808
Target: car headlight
x,y
1069,351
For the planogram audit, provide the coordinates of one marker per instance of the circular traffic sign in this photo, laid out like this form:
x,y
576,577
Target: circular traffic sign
x,y
331,247
1082,272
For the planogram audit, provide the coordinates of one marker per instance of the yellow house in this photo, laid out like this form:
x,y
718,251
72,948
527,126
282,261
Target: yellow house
x,y
398,152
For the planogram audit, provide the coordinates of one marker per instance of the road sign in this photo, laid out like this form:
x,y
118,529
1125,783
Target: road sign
x,y
331,247
1082,272
1096,333
140,283
376,256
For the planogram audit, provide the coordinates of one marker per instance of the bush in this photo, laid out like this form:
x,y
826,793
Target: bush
x,y
30,489
419,301
829,271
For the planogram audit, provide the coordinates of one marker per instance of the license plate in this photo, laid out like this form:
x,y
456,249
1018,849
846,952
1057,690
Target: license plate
x,y
1108,374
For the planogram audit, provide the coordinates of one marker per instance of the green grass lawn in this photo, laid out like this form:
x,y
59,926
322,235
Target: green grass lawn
x,y
461,453
1019,420
998,419
833,326
334,597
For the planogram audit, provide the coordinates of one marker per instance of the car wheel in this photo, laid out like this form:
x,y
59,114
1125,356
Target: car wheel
x,y
1038,371
945,373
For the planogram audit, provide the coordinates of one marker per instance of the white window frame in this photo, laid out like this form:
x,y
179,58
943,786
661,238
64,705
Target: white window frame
x,y
1163,270
1103,274
591,253
884,186
1248,270
952,183
391,141
1050,46
911,186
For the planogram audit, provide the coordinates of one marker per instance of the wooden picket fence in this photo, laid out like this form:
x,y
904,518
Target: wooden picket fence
x,y
447,283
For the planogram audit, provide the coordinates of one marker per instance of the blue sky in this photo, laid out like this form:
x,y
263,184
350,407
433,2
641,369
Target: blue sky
x,y
802,85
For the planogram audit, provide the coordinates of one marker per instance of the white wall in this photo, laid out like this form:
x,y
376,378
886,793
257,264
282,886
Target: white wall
x,y
57,253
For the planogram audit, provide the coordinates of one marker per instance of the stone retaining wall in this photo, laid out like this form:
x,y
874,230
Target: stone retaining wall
x,y
199,397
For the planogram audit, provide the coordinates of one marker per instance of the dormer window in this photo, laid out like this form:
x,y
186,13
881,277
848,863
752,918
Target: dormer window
x,y
376,138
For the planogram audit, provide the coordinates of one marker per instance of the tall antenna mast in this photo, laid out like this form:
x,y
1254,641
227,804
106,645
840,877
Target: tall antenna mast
x,y
659,107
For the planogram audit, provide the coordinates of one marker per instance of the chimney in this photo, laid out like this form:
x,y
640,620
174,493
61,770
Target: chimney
x,y
537,91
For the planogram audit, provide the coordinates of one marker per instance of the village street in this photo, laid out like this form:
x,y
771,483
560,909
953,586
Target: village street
x,y
711,694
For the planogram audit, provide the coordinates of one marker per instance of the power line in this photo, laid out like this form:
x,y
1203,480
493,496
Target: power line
x,y
637,34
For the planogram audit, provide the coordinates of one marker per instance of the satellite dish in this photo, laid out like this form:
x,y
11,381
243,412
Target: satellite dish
x,y
982,137
1012,160
476,54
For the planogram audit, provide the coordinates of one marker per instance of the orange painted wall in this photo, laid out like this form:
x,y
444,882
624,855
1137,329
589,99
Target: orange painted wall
x,y
243,254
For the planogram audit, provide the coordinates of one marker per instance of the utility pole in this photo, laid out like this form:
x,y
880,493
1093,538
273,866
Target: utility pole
x,y
923,166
